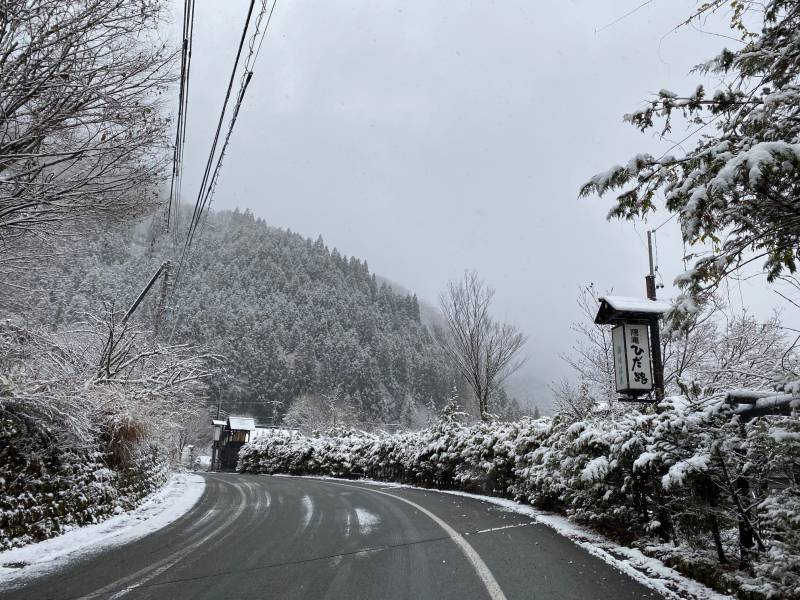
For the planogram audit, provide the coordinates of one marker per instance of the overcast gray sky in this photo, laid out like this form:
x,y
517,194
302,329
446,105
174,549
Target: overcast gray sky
x,y
429,137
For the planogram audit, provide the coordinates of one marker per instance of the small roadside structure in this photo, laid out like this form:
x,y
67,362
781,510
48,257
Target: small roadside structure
x,y
638,367
218,426
235,434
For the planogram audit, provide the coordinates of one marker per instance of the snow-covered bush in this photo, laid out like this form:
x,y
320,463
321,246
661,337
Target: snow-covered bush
x,y
85,421
48,489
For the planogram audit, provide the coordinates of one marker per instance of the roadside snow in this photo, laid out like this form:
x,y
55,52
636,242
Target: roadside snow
x,y
175,499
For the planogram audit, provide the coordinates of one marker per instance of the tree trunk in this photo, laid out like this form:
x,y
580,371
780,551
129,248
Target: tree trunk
x,y
718,540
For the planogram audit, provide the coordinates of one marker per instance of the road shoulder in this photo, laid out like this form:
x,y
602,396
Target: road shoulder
x,y
165,506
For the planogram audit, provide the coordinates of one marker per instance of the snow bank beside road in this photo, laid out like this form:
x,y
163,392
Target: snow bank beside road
x,y
174,500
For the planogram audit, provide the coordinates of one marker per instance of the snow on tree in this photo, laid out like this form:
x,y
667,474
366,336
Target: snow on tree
x,y
291,320
83,137
737,188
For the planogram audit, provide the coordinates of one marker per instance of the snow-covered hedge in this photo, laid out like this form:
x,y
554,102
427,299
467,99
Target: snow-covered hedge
x,y
691,481
46,489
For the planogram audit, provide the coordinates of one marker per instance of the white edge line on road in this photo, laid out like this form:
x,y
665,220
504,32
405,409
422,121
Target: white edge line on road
x,y
481,569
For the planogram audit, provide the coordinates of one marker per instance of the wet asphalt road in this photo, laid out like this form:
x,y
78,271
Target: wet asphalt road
x,y
259,537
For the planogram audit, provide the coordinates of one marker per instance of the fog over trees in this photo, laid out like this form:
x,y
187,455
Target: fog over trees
x,y
292,319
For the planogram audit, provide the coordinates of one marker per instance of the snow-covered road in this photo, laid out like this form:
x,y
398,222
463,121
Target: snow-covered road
x,y
278,537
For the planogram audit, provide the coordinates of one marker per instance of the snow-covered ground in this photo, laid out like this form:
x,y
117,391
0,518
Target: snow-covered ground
x,y
175,499
646,570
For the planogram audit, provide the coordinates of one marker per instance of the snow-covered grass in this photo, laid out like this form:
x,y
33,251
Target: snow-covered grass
x,y
177,497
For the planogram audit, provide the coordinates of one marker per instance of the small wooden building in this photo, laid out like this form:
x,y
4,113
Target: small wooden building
x,y
234,435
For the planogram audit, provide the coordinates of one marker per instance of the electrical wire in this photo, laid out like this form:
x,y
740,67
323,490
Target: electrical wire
x,y
247,74
185,120
212,153
180,129
675,214
211,178
209,162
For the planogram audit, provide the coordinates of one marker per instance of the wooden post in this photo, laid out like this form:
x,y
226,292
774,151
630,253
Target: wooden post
x,y
655,333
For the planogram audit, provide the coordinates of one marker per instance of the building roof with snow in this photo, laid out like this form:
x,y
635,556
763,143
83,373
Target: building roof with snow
x,y
242,423
616,309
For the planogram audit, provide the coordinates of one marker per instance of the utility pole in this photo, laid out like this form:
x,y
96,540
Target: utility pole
x,y
165,266
655,334
161,306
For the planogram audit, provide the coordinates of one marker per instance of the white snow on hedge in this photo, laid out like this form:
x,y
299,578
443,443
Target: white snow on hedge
x,y
172,501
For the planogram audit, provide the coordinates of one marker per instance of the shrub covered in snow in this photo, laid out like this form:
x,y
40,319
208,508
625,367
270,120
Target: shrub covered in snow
x,y
690,481
47,489
81,418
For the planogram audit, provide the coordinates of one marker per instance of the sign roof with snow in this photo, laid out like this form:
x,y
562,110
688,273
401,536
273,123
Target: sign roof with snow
x,y
242,423
616,309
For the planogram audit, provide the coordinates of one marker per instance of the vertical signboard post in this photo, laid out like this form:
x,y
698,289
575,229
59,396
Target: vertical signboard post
x,y
632,365
637,365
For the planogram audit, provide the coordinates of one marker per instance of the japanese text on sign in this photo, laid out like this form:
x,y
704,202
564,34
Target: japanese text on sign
x,y
631,346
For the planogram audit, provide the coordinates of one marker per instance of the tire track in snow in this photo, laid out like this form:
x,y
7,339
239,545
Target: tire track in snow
x,y
125,585
481,569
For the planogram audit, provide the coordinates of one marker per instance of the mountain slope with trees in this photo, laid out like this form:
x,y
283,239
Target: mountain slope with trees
x,y
291,318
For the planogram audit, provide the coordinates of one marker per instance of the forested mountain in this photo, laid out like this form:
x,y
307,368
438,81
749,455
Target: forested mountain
x,y
290,317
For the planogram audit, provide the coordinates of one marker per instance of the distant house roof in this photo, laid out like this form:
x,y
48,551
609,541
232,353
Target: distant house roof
x,y
242,423
614,309
218,422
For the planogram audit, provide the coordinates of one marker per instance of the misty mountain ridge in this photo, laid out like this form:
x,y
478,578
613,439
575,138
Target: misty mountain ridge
x,y
292,317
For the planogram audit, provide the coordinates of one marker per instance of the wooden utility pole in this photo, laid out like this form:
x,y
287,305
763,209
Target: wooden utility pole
x,y
655,334
161,307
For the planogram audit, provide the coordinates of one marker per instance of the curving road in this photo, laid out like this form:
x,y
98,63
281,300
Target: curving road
x,y
260,537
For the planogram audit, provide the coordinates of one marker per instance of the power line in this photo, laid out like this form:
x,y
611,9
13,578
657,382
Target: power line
x,y
185,119
675,214
211,154
247,74
197,207
625,16
211,178
180,129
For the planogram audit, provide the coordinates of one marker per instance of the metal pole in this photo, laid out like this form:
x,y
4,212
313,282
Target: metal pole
x,y
161,307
